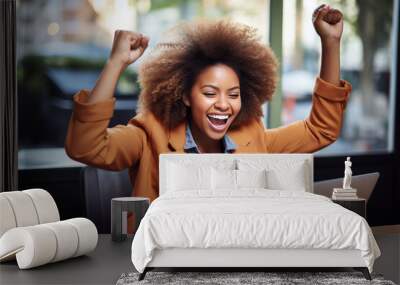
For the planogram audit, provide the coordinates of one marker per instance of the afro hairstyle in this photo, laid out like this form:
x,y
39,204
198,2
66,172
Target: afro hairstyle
x,y
170,71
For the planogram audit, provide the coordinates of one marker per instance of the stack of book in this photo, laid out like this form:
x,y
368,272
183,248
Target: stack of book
x,y
344,194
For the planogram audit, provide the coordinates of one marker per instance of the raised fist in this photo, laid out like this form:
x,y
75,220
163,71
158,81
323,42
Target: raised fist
x,y
127,47
328,22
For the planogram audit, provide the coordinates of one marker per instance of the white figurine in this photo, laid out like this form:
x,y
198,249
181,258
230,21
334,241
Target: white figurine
x,y
347,174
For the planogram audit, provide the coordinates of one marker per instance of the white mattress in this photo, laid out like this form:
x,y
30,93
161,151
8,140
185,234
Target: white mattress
x,y
252,218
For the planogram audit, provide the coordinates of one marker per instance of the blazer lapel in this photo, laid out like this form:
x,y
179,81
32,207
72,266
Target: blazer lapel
x,y
240,136
177,137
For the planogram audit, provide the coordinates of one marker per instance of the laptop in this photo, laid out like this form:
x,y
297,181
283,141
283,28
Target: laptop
x,y
364,183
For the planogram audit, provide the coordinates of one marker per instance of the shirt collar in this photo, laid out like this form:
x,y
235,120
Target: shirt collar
x,y
190,144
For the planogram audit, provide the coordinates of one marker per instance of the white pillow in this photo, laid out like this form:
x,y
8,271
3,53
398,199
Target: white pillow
x,y
281,174
251,178
182,177
223,179
293,179
200,160
228,179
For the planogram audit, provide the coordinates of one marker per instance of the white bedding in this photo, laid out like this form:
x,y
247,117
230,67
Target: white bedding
x,y
251,218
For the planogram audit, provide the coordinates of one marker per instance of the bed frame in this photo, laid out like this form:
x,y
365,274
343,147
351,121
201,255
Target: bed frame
x,y
241,259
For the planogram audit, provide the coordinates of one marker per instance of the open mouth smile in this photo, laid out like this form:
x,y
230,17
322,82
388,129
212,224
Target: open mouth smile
x,y
218,122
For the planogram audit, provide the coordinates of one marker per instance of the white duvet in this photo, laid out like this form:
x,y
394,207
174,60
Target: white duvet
x,y
252,218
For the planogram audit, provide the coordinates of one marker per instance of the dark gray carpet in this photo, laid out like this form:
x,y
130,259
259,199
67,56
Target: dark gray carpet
x,y
228,278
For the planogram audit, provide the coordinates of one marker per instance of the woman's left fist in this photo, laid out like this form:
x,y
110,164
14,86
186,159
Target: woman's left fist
x,y
328,22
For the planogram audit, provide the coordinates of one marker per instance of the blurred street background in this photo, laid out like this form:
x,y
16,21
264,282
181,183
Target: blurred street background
x,y
65,48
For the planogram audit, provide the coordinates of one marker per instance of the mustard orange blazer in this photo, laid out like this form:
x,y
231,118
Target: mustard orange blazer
x,y
138,144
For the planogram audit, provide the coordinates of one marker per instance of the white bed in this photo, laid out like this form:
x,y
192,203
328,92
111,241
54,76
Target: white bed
x,y
201,219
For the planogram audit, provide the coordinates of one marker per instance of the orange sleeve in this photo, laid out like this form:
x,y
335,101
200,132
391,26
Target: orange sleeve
x,y
321,128
90,141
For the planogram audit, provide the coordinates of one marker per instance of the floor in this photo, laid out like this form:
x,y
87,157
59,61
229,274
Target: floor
x,y
388,264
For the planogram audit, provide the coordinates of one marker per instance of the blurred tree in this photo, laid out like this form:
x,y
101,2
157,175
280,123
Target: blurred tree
x,y
298,54
373,25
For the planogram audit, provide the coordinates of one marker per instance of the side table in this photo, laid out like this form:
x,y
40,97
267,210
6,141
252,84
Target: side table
x,y
358,206
120,207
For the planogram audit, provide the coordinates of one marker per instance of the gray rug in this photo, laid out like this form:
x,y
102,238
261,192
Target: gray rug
x,y
228,278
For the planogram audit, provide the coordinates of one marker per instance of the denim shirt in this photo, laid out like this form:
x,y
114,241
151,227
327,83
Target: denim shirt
x,y
191,147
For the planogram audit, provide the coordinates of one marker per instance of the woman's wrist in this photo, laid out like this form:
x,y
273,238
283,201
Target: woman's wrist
x,y
330,42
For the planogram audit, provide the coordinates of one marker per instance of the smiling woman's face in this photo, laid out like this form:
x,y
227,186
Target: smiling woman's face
x,y
214,102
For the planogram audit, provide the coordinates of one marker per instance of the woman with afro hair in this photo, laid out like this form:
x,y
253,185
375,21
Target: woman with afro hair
x,y
201,92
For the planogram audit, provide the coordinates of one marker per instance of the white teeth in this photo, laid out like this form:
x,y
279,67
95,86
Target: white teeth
x,y
220,117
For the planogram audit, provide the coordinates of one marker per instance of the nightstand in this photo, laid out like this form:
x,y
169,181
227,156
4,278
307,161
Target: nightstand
x,y
358,206
120,207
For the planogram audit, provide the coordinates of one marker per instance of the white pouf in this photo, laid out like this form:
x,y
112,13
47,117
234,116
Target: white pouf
x,y
31,233
45,205
7,216
23,208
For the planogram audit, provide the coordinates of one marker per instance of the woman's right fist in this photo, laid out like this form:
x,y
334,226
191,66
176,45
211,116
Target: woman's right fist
x,y
127,47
